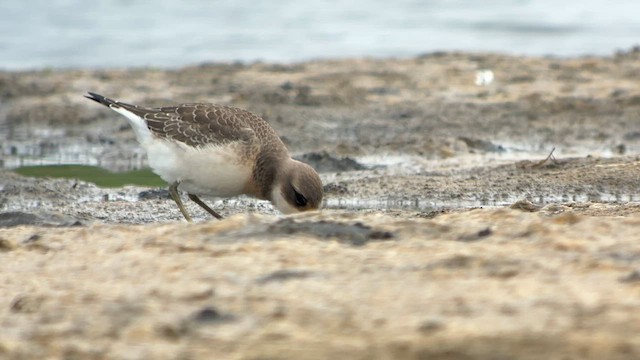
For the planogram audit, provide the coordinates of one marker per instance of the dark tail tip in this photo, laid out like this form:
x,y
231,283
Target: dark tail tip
x,y
100,99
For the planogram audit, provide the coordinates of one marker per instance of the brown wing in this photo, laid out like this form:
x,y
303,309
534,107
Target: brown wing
x,y
203,124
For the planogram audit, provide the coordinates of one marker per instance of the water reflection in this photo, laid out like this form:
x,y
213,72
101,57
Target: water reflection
x,y
26,146
478,201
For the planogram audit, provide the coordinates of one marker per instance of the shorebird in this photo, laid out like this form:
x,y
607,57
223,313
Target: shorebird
x,y
207,149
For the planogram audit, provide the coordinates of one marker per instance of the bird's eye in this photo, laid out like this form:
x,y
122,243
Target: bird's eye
x,y
301,201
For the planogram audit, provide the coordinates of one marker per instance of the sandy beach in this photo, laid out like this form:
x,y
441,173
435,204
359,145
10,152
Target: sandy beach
x,y
466,216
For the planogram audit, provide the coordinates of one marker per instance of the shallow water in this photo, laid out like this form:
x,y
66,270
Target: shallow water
x,y
25,146
392,165
480,201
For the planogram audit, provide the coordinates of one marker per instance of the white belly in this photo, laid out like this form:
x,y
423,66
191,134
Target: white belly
x,y
210,170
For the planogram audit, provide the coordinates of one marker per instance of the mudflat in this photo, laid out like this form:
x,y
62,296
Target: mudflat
x,y
477,206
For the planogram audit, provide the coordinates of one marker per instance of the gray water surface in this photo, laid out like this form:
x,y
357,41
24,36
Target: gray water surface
x,y
171,33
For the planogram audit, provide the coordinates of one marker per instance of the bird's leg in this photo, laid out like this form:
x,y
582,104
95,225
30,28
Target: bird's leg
x,y
173,191
204,206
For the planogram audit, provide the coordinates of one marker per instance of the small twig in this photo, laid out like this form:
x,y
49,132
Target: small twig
x,y
550,157
528,164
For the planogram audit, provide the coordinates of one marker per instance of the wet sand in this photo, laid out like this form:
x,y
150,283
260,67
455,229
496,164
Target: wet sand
x,y
447,231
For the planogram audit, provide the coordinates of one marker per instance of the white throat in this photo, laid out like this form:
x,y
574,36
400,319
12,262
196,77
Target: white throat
x,y
280,203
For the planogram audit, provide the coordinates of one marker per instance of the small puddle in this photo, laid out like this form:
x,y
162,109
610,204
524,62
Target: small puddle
x,y
421,204
30,146
382,204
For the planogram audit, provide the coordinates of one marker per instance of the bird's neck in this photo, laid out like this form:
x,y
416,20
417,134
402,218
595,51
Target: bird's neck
x,y
268,168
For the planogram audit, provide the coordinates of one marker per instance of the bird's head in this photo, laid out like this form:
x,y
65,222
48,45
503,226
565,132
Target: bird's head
x,y
298,188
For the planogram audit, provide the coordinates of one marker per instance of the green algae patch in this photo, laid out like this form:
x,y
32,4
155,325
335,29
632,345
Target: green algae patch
x,y
97,175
